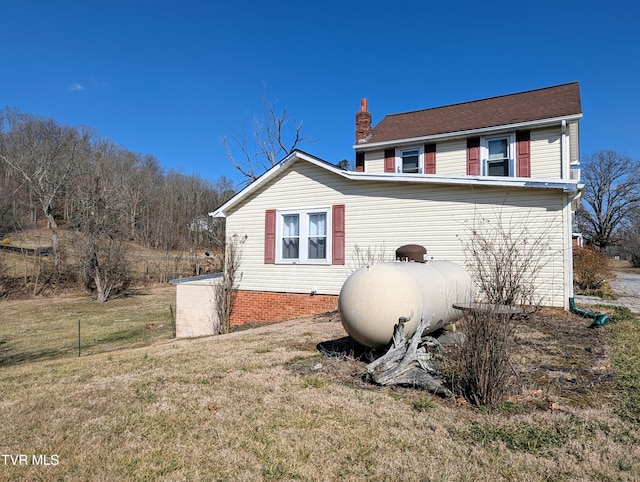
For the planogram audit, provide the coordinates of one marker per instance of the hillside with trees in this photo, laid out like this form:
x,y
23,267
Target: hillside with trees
x,y
99,204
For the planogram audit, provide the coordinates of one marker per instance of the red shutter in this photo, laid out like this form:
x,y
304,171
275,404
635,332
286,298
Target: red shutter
x,y
270,236
473,156
430,159
337,235
390,160
523,154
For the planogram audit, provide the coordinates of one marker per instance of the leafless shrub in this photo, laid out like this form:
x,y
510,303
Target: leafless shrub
x,y
630,241
479,368
225,289
369,255
504,257
590,268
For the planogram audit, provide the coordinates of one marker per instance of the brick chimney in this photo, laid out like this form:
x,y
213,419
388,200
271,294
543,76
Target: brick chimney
x,y
363,123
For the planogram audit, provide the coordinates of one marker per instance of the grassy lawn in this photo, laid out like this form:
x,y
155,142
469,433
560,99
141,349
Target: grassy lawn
x,y
264,404
44,329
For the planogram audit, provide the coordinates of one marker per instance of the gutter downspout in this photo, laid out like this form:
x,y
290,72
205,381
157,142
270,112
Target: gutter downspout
x,y
564,174
599,319
568,239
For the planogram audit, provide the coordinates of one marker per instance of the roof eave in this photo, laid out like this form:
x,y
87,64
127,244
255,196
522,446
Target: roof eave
x,y
566,185
196,279
221,212
466,133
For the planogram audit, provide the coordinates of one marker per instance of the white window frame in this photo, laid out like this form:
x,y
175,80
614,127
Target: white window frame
x,y
511,148
401,150
303,235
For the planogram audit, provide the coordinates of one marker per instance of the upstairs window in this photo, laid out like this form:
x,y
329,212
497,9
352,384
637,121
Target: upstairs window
x,y
498,159
497,156
410,161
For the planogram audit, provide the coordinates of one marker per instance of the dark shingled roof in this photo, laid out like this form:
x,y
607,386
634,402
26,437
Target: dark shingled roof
x,y
551,102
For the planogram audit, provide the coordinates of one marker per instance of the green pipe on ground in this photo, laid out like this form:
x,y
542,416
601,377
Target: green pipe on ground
x,y
599,319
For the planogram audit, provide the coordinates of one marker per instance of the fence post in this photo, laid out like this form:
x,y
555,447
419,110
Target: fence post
x,y
79,344
173,319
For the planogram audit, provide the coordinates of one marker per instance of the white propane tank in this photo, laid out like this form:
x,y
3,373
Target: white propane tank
x,y
375,297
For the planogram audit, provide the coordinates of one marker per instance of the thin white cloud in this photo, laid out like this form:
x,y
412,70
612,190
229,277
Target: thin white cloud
x,y
76,87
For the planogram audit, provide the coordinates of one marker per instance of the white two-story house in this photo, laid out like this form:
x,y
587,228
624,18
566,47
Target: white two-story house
x,y
427,177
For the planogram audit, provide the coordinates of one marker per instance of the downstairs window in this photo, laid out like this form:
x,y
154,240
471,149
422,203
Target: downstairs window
x,y
302,236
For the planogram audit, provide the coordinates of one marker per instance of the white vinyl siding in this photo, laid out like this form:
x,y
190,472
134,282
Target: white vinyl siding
x,y
574,148
451,157
374,161
389,214
546,147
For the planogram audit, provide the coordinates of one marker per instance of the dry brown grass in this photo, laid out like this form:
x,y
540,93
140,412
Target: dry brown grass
x,y
264,404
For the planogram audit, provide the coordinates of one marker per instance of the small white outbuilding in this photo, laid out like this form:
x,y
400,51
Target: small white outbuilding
x,y
196,313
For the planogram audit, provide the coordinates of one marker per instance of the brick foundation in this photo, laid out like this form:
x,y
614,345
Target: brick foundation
x,y
263,306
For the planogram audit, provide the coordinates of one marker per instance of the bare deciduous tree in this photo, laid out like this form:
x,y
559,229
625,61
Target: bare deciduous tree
x,y
46,155
75,180
102,217
223,190
270,138
630,241
103,262
611,194
8,219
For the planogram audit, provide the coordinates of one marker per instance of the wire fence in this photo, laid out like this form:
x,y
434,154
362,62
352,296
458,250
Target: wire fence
x,y
33,342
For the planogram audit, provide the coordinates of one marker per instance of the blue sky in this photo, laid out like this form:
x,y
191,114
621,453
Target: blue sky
x,y
171,78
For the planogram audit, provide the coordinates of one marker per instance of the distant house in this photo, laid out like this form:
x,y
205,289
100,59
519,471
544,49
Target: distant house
x,y
420,178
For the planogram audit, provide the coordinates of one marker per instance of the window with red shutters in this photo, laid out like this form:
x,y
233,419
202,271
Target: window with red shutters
x,y
301,236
